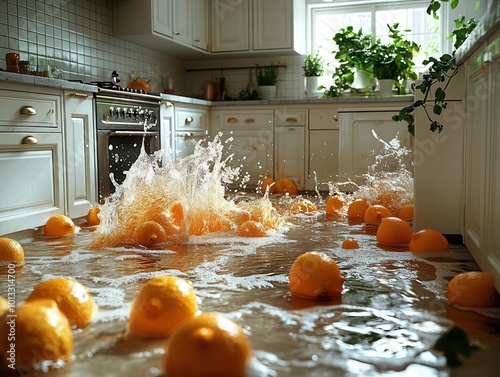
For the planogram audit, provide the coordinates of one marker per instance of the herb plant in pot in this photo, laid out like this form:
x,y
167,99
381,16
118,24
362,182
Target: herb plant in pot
x,y
313,70
267,77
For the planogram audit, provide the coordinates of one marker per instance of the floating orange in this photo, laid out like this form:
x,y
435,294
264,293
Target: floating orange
x,y
473,289
59,226
92,216
405,212
375,213
393,231
350,243
301,205
251,228
335,204
428,240
266,183
357,209
286,186
11,250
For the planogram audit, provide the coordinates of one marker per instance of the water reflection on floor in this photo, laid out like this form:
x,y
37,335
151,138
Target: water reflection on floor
x,y
392,310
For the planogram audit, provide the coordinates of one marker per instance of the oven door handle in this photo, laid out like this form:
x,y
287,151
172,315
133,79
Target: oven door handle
x,y
134,133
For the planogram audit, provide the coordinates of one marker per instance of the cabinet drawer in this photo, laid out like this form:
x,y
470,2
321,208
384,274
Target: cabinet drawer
x,y
291,117
262,119
323,119
32,110
190,119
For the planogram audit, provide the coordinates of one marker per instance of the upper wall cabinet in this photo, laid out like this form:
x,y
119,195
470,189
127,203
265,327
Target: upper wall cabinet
x,y
258,26
179,28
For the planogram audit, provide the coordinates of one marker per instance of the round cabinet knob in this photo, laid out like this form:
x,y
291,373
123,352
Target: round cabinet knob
x,y
189,120
29,140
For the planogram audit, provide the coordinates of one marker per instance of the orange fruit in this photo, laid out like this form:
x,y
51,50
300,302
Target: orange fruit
x,y
149,233
375,213
350,243
42,333
428,240
286,186
72,298
265,183
92,216
208,345
11,250
251,228
315,275
473,289
335,204
161,304
357,209
177,212
393,231
4,306
59,226
301,205
405,212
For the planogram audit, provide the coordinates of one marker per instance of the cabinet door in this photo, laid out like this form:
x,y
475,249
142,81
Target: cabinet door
x,y
272,25
167,129
80,154
230,22
323,166
200,11
162,17
32,185
182,21
290,147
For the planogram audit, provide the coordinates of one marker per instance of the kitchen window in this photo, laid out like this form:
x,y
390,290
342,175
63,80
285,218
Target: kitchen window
x,y
372,17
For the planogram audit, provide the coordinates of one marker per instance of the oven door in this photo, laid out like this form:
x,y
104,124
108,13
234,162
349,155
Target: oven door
x,y
117,151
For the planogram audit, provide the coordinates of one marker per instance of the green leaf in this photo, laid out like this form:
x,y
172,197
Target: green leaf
x,y
437,110
440,95
453,344
454,3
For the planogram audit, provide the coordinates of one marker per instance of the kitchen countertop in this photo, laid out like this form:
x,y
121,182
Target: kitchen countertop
x,y
45,81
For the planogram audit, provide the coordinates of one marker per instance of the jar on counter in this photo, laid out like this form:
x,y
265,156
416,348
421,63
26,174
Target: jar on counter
x,y
24,67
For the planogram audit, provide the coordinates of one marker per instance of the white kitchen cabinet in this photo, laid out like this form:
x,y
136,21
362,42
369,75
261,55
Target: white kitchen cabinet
x,y
230,26
80,153
289,151
182,21
200,22
191,125
322,148
167,116
247,136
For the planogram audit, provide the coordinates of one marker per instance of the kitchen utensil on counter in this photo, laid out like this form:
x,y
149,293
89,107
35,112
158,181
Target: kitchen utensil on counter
x,y
209,93
220,83
12,62
139,81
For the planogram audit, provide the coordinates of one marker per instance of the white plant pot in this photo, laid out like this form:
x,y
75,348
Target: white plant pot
x,y
267,91
385,87
311,87
361,79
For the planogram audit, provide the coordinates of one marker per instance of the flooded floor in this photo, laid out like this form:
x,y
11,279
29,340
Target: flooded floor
x,y
393,307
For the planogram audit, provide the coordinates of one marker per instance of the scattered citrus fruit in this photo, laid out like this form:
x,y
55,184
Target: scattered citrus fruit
x,y
393,231
350,243
149,233
4,305
92,217
42,333
162,303
335,204
428,240
207,345
251,228
405,212
315,275
177,212
473,289
301,205
357,209
10,250
72,298
266,183
286,186
375,213
59,226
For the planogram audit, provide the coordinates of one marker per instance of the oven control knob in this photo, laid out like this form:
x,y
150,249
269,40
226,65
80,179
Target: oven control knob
x,y
124,112
140,114
117,112
130,113
111,111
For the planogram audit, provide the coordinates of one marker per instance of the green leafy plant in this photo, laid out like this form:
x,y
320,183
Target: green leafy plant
x,y
267,75
354,48
441,72
313,65
435,5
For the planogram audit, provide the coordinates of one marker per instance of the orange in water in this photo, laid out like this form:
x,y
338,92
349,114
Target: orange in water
x,y
92,217
251,228
350,243
473,289
357,209
59,226
428,240
4,305
265,183
315,275
286,186
149,233
161,304
42,333
72,298
393,231
405,212
335,204
177,212
208,345
301,205
375,213
11,250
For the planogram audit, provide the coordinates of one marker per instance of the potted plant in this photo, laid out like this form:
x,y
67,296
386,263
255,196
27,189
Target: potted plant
x,y
313,69
393,62
267,77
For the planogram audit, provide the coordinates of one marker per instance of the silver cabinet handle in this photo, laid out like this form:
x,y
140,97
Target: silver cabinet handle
x,y
188,120
29,140
27,110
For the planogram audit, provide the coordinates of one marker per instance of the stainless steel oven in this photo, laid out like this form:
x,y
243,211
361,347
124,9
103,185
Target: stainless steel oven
x,y
121,130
